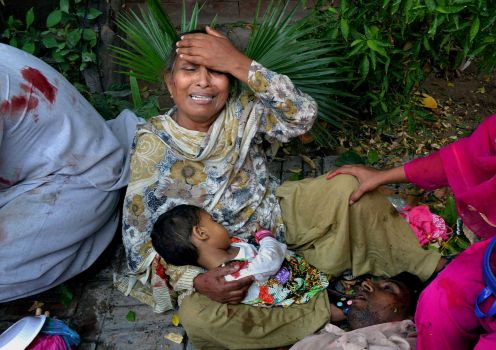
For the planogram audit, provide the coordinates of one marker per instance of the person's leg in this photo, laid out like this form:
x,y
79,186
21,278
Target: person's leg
x,y
445,316
368,236
211,325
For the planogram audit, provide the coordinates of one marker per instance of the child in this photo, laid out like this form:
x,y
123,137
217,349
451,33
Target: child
x,y
187,235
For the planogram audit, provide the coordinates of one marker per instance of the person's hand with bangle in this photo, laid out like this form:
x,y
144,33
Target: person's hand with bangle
x,y
262,233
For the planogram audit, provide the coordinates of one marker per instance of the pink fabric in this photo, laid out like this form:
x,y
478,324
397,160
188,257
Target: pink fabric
x,y
469,167
428,227
47,342
445,317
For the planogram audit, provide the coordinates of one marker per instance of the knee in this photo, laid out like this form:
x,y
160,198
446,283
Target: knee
x,y
341,185
189,315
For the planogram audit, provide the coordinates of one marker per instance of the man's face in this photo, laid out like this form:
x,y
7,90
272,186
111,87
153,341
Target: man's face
x,y
378,302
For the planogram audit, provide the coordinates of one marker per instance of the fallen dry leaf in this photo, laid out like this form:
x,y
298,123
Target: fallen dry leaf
x,y
175,320
175,337
428,101
306,138
308,160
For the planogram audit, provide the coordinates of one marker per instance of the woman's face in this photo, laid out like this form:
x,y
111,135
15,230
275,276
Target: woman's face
x,y
200,94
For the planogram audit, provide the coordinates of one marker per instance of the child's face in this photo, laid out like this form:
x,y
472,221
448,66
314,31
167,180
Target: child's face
x,y
217,234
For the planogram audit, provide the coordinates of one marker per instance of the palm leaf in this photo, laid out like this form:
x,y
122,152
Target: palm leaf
x,y
313,65
149,37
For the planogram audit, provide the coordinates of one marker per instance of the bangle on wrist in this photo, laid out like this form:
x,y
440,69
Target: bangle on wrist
x,y
261,234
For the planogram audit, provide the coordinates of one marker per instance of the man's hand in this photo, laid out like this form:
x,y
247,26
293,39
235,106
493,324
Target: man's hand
x,y
213,285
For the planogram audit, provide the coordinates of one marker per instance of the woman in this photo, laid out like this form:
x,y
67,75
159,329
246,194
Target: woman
x,y
61,168
207,152
445,315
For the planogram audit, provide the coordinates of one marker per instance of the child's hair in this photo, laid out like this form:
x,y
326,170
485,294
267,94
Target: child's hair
x,y
171,235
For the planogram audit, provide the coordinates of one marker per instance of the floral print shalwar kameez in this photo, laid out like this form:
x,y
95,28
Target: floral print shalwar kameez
x,y
223,171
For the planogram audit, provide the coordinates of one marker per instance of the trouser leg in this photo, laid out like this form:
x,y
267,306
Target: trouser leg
x,y
367,237
211,325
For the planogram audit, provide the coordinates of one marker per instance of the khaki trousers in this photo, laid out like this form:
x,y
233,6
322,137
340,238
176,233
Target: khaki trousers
x,y
367,237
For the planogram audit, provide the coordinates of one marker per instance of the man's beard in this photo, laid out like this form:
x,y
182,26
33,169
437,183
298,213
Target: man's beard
x,y
359,318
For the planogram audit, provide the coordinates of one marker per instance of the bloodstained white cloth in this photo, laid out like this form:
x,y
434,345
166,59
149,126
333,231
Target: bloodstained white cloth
x,y
61,170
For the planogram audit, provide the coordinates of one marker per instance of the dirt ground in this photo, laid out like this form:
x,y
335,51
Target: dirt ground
x,y
471,96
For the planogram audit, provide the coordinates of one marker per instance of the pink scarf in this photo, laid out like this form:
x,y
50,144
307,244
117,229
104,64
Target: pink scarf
x,y
470,167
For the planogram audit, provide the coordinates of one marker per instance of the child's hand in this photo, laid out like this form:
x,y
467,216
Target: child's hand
x,y
262,233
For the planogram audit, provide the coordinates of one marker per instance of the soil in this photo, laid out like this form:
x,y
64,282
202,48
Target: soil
x,y
471,96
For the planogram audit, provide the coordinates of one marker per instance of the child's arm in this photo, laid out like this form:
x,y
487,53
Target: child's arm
x,y
270,256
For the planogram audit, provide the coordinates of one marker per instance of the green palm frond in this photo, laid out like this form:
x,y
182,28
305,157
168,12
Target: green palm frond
x,y
287,47
149,37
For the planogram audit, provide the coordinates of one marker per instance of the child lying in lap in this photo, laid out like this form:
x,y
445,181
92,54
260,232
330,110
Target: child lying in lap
x,y
187,235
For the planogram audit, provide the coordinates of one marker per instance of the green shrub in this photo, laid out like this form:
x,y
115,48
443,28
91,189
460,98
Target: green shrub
x,y
391,43
69,41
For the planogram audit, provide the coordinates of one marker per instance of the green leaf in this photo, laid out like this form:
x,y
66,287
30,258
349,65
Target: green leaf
x,y
374,45
49,42
73,38
372,157
433,28
89,35
13,42
345,28
449,9
343,5
93,13
356,42
431,5
449,212
131,316
65,295
294,177
135,91
29,47
349,157
73,57
364,67
29,18
64,6
88,57
54,18
474,29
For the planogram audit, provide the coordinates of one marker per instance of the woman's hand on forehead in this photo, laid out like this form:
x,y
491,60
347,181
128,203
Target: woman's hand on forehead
x,y
214,51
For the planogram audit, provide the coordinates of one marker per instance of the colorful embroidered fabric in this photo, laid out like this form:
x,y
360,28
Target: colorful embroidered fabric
x,y
294,282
